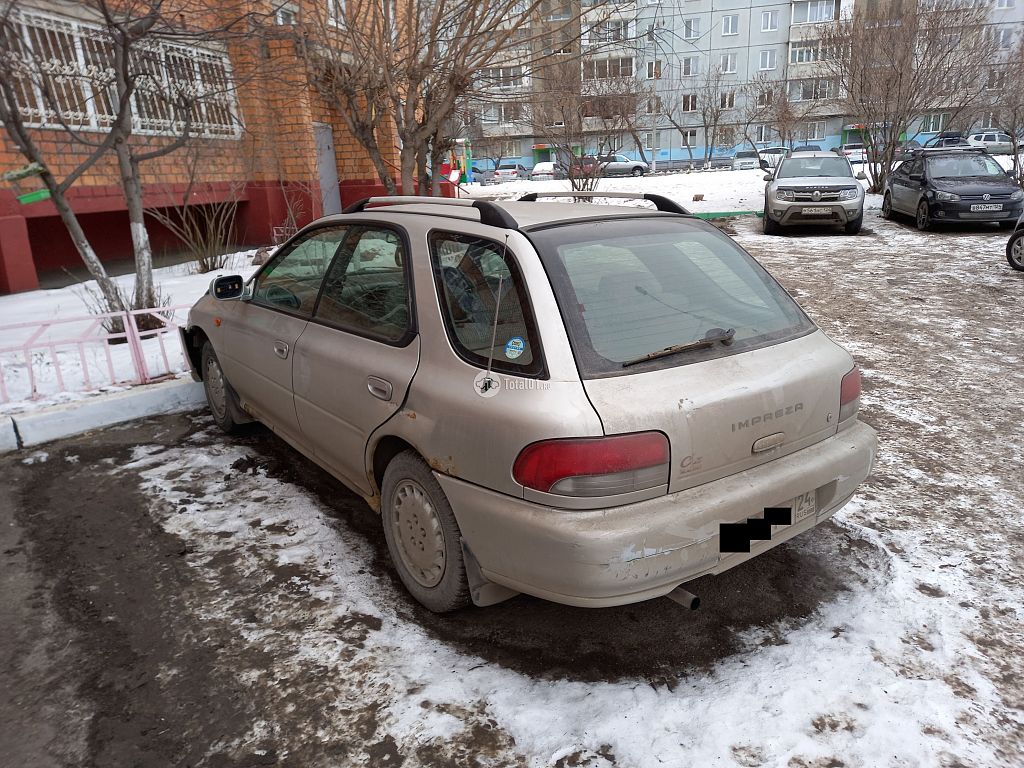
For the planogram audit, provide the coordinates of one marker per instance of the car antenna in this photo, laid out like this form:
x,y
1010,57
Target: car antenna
x,y
488,383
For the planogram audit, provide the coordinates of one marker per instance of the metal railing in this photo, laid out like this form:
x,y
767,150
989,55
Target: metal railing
x,y
78,354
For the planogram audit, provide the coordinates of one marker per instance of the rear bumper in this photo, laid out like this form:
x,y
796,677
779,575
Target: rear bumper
x,y
626,554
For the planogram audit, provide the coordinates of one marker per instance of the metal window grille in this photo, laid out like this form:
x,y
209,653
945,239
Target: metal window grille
x,y
64,75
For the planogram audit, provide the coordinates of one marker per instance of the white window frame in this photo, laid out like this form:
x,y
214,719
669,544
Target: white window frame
x,y
772,60
688,138
689,66
727,99
1005,5
934,122
762,133
730,24
728,63
688,102
769,21
815,130
691,28
655,69
336,13
821,8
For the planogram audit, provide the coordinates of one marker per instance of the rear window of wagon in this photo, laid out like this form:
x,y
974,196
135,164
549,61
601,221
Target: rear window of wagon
x,y
628,287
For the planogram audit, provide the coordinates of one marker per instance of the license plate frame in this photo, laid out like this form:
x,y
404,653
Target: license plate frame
x,y
984,207
803,506
816,211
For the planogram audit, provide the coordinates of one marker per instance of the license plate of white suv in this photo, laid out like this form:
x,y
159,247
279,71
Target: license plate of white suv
x,y
817,211
987,207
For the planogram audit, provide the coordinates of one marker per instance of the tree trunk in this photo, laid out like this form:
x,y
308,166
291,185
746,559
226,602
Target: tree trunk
x,y
145,295
407,161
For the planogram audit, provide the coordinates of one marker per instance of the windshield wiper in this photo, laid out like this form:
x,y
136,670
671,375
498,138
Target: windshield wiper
x,y
712,337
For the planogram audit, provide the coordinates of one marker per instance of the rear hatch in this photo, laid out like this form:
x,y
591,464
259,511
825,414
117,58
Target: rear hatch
x,y
761,380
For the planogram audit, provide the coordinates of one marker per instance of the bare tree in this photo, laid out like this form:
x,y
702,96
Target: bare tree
x,y
894,63
1001,106
135,80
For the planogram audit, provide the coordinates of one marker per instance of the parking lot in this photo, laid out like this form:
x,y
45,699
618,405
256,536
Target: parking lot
x,y
223,602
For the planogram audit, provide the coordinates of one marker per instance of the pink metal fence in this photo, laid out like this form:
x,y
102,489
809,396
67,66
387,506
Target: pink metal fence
x,y
77,354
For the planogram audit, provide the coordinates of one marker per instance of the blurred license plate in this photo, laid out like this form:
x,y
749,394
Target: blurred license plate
x,y
989,207
803,506
817,211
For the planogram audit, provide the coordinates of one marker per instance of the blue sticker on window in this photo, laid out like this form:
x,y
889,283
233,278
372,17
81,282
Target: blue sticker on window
x,y
514,347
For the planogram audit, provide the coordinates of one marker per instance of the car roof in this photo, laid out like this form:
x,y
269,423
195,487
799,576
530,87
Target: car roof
x,y
811,153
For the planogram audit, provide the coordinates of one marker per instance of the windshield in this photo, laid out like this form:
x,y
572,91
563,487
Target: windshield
x,y
814,166
630,287
746,153
964,165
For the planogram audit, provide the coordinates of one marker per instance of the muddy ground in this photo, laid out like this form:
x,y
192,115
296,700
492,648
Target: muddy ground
x,y
161,605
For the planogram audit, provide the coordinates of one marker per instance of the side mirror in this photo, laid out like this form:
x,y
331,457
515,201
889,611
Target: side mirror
x,y
861,176
767,177
765,165
227,287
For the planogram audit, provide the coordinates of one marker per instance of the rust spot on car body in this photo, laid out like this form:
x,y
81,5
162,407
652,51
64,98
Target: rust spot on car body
x,y
446,466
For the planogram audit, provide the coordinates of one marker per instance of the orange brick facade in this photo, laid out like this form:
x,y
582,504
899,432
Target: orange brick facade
x,y
271,168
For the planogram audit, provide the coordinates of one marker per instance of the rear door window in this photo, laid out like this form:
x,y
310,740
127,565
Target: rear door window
x,y
629,288
477,281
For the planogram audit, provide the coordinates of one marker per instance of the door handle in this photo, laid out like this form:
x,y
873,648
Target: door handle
x,y
281,350
379,388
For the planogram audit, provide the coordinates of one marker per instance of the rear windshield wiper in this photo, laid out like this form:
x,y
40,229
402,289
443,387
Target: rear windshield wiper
x,y
712,337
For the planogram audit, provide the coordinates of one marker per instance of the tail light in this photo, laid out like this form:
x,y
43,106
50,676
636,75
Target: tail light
x,y
594,466
849,395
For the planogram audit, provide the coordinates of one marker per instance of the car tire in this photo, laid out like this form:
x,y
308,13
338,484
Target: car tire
x,y
637,172
220,395
887,206
422,535
769,226
1015,250
853,227
923,219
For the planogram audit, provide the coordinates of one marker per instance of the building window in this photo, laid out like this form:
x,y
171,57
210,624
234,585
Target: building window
x,y
607,69
762,133
1004,4
814,11
691,29
689,65
688,137
934,122
805,52
1003,37
510,148
336,12
652,140
502,77
728,63
767,60
615,31
728,99
654,105
769,21
996,79
731,24
654,70
285,16
72,60
815,130
688,102
765,98
811,89
990,121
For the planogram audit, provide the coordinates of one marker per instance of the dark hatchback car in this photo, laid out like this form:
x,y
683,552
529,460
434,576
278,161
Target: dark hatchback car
x,y
950,186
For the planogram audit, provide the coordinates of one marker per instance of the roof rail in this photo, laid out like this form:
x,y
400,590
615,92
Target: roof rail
x,y
661,202
490,214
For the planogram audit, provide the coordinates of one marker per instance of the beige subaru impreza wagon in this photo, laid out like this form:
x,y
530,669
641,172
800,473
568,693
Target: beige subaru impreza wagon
x,y
592,404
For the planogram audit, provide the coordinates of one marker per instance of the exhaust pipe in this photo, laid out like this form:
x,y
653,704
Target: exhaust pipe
x,y
684,598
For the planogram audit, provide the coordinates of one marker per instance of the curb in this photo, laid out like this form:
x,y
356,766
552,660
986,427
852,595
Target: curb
x,y
66,420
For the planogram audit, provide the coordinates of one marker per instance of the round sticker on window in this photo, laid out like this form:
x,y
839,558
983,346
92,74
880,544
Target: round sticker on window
x,y
515,347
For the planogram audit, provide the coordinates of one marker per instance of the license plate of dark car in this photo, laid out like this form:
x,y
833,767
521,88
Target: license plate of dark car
x,y
988,207
817,211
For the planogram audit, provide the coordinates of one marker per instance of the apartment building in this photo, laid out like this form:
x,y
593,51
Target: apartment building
x,y
264,136
701,69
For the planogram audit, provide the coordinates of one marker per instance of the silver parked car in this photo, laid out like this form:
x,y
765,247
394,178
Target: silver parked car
x,y
589,404
620,165
813,188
